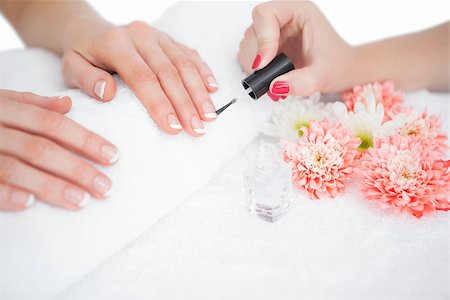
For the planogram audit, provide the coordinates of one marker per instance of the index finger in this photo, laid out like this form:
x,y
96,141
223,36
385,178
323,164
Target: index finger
x,y
268,19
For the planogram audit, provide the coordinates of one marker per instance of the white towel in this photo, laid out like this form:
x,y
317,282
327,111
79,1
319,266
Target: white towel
x,y
45,249
347,248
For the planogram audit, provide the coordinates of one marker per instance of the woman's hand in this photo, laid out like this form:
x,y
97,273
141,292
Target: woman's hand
x,y
42,154
322,59
170,79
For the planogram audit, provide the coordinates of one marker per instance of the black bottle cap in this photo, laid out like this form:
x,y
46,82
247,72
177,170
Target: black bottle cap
x,y
258,83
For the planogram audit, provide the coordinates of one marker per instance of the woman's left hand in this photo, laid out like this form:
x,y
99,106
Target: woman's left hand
x,y
170,79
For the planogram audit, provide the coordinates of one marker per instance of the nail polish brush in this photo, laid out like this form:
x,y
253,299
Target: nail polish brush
x,y
220,110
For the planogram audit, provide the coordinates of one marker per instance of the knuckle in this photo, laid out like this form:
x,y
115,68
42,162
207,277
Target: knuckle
x,y
90,142
116,36
49,121
184,63
258,11
248,32
65,65
26,96
242,45
193,52
81,172
167,72
36,148
142,74
264,42
139,26
7,167
67,69
49,188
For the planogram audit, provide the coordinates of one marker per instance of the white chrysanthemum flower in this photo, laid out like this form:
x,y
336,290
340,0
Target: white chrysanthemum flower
x,y
293,113
365,121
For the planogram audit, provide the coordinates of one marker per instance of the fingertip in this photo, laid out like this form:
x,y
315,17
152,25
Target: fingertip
x,y
264,57
208,111
66,104
195,128
256,62
211,83
173,126
105,89
61,104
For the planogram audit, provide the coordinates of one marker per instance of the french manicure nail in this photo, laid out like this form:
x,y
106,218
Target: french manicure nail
x,y
212,81
256,62
77,197
197,125
22,198
111,153
208,110
99,88
280,88
173,122
102,185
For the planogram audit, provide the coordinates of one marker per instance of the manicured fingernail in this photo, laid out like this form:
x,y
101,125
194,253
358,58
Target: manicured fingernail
x,y
58,97
212,82
273,97
77,197
102,185
208,110
256,62
280,88
197,125
22,198
283,97
99,88
111,153
173,122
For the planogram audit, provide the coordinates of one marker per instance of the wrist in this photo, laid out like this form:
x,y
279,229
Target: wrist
x,y
82,27
368,66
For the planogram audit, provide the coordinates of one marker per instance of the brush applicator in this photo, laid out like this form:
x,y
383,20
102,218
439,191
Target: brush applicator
x,y
220,110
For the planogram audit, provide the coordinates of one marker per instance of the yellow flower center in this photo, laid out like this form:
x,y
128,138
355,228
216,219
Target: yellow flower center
x,y
299,125
366,141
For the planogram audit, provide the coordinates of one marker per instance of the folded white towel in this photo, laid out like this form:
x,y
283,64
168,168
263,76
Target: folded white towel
x,y
45,249
347,248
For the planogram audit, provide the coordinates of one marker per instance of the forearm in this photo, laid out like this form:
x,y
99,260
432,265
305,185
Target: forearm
x,y
418,60
47,23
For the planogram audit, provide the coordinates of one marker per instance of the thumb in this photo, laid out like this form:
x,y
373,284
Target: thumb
x,y
80,73
268,19
299,82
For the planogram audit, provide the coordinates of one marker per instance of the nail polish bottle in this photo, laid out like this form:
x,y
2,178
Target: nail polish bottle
x,y
258,83
267,182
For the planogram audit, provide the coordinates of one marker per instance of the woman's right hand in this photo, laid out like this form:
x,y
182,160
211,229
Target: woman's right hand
x,y
42,154
323,60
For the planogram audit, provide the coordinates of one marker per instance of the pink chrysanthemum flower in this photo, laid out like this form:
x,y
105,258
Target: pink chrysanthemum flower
x,y
384,93
323,158
427,129
401,172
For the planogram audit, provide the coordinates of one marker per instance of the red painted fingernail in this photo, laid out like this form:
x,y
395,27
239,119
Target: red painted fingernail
x,y
280,88
283,97
273,97
256,62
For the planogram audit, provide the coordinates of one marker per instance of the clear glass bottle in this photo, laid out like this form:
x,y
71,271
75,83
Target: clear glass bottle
x,y
267,181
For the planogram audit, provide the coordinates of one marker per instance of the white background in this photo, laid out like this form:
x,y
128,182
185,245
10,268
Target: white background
x,y
356,21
